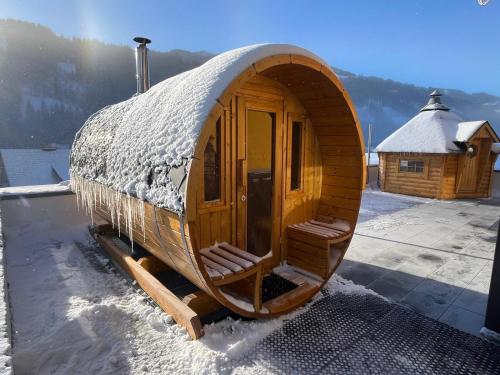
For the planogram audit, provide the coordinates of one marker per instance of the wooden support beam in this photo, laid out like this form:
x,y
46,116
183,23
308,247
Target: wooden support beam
x,y
202,303
291,298
152,264
104,229
168,301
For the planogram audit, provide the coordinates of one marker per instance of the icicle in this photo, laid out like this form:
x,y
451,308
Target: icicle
x,y
142,215
122,209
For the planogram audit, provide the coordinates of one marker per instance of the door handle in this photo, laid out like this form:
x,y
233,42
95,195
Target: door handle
x,y
243,197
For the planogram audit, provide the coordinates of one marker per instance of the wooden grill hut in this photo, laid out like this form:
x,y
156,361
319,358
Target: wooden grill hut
x,y
246,170
438,155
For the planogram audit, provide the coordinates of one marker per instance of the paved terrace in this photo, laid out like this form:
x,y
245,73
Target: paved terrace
x,y
73,314
433,256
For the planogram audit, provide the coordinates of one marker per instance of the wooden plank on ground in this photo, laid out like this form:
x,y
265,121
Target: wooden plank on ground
x,y
167,301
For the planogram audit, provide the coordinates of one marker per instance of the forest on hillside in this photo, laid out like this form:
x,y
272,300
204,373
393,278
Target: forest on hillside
x,y
49,86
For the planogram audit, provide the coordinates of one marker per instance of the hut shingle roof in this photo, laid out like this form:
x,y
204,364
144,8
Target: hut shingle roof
x,y
435,129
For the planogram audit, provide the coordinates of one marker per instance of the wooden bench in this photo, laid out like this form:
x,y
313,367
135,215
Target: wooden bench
x,y
226,264
309,244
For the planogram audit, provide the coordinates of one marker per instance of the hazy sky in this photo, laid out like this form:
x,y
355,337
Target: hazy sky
x,y
438,43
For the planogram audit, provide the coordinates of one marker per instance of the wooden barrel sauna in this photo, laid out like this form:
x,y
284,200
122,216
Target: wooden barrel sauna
x,y
243,175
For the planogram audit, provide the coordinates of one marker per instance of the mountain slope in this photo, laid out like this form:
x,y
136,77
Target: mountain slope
x,y
389,104
49,85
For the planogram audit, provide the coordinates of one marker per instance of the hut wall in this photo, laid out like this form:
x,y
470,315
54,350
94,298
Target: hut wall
x,y
381,170
426,184
340,143
486,159
161,236
448,182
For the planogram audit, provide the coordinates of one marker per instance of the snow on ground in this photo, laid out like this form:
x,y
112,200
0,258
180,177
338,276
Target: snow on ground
x,y
72,314
377,204
5,347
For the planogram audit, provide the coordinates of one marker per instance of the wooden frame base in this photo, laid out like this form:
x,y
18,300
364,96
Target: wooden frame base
x,y
185,312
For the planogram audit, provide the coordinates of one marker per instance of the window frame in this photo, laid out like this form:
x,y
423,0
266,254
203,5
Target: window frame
x,y
425,171
294,118
221,201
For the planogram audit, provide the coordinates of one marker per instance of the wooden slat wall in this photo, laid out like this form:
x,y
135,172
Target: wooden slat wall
x,y
486,165
413,184
335,128
448,182
214,226
381,171
169,247
449,175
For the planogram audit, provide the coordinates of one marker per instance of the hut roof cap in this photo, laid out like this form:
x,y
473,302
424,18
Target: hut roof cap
x,y
143,146
434,103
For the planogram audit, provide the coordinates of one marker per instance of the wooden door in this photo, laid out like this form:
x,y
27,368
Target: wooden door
x,y
470,169
259,177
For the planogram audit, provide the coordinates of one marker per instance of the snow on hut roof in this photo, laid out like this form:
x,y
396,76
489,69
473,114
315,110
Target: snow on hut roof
x,y
435,129
427,132
467,129
35,166
143,146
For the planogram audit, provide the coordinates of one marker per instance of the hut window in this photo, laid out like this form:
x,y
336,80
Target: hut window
x,y
212,164
416,166
296,156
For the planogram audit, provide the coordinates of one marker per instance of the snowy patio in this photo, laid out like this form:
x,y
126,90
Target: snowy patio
x,y
72,312
434,256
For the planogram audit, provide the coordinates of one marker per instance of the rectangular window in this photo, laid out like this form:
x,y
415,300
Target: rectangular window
x,y
296,156
212,164
415,166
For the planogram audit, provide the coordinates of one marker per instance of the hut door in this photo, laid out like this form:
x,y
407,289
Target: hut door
x,y
259,178
471,170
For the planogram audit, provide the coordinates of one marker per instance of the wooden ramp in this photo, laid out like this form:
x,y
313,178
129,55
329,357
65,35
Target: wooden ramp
x,y
187,311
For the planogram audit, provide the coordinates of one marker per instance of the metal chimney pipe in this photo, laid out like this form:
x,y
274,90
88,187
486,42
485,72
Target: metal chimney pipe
x,y
142,64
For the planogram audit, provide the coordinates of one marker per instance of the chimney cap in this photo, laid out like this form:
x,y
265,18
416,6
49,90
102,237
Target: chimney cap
x,y
434,103
142,40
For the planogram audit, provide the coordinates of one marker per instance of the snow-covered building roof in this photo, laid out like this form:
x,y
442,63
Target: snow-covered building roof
x,y
467,129
143,146
435,129
23,167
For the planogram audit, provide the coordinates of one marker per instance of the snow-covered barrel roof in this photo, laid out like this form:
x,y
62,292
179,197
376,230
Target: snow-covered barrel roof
x,y
435,129
143,146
